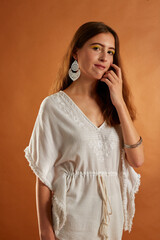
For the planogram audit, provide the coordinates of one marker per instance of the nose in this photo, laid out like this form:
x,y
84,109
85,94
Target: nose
x,y
103,57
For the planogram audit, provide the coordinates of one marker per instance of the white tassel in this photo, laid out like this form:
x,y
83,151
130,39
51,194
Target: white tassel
x,y
103,229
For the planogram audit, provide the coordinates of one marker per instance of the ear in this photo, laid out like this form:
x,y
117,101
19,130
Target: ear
x,y
74,54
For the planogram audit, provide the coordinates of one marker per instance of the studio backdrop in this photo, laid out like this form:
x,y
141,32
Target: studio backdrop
x,y
34,38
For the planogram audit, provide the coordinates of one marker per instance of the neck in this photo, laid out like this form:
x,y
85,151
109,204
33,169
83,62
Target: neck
x,y
85,87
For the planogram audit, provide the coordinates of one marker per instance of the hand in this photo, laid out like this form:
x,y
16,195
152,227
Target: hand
x,y
50,235
114,83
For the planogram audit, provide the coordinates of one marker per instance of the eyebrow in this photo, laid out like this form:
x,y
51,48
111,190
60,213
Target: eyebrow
x,y
101,45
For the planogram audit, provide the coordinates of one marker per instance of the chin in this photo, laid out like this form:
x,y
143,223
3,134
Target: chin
x,y
95,76
99,76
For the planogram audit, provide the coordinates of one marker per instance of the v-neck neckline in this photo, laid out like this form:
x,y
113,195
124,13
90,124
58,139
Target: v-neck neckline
x,y
82,113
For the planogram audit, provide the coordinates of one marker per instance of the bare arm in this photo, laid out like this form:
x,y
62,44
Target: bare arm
x,y
135,156
43,204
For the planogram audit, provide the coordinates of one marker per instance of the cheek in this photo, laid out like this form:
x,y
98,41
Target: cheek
x,y
111,61
86,60
88,57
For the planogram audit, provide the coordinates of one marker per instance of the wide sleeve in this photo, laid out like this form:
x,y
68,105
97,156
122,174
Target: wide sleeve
x,y
42,151
130,182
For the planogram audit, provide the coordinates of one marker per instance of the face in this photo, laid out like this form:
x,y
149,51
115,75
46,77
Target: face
x,y
96,55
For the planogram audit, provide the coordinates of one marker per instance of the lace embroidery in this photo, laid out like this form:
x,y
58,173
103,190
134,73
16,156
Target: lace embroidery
x,y
58,214
128,196
105,144
92,173
97,147
69,112
107,139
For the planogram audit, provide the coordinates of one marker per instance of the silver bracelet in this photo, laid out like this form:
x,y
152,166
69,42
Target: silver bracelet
x,y
134,145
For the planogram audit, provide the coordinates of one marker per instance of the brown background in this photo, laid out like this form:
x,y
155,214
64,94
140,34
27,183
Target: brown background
x,y
34,37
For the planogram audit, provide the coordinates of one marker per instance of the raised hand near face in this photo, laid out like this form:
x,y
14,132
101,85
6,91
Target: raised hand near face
x,y
114,82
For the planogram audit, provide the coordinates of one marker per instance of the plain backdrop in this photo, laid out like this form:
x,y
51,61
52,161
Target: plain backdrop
x,y
34,35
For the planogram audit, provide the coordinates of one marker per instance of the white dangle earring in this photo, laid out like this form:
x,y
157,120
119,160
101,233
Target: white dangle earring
x,y
74,71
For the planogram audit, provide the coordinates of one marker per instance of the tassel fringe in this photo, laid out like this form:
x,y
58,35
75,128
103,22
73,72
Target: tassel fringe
x,y
103,229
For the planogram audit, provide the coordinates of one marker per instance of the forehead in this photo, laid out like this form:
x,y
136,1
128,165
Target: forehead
x,y
106,39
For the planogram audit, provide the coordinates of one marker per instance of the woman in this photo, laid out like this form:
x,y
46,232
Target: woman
x,y
84,145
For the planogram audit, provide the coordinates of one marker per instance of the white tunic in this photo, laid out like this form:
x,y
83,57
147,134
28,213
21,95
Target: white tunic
x,y
85,167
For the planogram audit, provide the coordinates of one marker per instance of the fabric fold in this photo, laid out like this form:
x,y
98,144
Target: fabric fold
x,y
35,168
59,202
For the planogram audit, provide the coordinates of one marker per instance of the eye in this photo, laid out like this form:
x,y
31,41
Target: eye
x,y
96,47
111,52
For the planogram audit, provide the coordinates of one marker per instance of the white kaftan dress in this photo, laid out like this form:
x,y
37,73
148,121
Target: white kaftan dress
x,y
85,167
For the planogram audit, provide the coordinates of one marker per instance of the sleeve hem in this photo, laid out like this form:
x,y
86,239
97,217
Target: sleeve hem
x,y
130,186
36,170
131,210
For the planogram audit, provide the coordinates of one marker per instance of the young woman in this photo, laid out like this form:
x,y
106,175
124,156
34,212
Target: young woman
x,y
84,145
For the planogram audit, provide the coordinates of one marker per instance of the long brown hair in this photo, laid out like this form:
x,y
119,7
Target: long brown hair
x,y
62,81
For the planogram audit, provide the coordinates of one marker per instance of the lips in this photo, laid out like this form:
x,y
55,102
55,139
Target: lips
x,y
100,66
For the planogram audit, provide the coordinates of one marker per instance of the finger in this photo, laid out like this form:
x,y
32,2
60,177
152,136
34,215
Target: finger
x,y
112,78
107,81
112,73
118,70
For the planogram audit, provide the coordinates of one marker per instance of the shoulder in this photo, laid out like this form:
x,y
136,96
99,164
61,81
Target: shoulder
x,y
48,107
49,102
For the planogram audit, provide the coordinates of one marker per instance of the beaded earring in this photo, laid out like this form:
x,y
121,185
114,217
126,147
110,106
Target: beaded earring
x,y
74,71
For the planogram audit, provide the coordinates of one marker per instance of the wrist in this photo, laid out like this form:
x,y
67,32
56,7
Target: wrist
x,y
123,113
120,105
